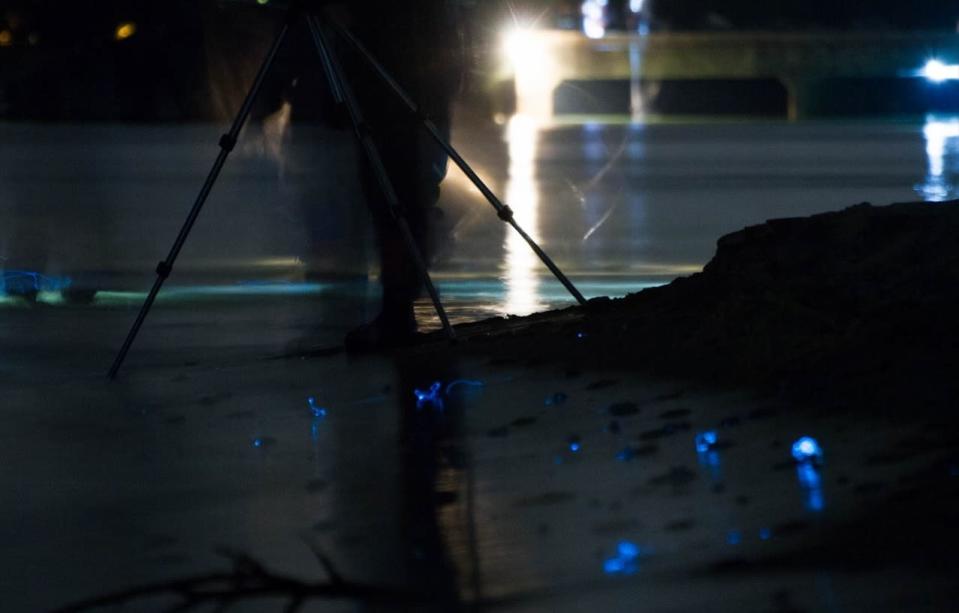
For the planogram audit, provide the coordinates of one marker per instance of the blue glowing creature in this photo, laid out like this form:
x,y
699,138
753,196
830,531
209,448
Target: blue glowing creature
x,y
807,450
432,397
706,441
318,412
626,560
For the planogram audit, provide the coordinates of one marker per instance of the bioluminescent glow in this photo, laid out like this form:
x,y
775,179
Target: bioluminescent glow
x,y
464,382
317,411
706,441
581,335
24,281
521,266
811,484
575,444
626,560
942,141
594,18
807,450
765,534
938,71
734,537
206,292
431,396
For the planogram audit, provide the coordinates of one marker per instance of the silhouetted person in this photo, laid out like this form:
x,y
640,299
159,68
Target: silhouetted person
x,y
419,44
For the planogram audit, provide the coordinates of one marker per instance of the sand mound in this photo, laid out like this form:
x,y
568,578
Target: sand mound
x,y
864,301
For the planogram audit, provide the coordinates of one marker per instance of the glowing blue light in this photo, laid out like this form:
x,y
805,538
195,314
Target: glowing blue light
x,y
432,396
581,335
807,449
574,447
734,537
765,534
811,484
706,441
628,550
626,560
23,281
626,454
317,411
258,442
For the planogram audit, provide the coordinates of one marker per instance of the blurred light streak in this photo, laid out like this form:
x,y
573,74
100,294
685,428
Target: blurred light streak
x,y
522,194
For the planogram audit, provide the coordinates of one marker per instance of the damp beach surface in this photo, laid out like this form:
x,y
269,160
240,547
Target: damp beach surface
x,y
502,473
638,454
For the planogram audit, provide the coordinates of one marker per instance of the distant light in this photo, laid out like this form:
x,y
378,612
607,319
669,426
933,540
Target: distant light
x,y
262,2
521,47
937,71
594,18
765,534
807,449
125,30
734,537
706,441
636,6
6,38
574,447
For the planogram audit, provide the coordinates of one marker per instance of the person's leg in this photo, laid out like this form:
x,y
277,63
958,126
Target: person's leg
x,y
415,176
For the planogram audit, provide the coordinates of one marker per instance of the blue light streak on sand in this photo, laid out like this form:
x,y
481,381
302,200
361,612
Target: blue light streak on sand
x,y
811,484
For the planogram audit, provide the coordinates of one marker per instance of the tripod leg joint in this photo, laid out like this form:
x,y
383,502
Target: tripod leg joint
x,y
505,213
164,269
227,142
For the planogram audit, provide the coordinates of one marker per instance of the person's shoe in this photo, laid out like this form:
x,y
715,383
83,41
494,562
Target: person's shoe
x,y
381,333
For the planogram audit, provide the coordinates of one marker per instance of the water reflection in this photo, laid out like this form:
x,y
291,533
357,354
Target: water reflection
x,y
522,194
942,139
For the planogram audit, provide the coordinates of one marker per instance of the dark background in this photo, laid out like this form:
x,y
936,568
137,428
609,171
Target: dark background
x,y
192,60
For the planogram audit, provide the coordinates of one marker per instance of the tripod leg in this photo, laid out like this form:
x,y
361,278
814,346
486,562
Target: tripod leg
x,y
227,143
503,212
363,136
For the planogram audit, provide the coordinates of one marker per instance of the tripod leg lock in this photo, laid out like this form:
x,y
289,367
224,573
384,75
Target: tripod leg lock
x,y
227,142
505,213
164,269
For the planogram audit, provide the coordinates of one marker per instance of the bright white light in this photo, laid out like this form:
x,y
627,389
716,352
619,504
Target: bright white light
x,y
636,6
522,47
937,72
594,18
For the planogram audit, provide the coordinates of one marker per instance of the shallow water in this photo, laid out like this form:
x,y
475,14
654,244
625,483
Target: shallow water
x,y
619,207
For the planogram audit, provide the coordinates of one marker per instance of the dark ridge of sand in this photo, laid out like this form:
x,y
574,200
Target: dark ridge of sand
x,y
860,305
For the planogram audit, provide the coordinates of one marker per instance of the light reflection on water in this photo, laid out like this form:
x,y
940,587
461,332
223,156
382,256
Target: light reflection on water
x,y
520,264
942,146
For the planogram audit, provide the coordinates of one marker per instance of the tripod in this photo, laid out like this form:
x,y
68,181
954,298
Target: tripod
x,y
343,96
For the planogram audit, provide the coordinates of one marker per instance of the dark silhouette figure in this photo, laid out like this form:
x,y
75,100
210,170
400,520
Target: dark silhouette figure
x,y
419,43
